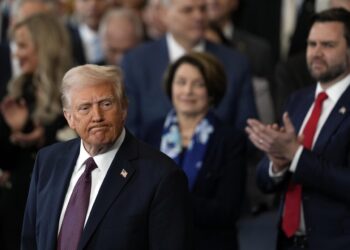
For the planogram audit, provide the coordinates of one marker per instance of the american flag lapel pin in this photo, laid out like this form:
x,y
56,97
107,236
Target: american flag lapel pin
x,y
342,110
124,173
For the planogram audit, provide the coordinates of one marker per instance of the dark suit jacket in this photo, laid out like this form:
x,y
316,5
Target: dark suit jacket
x,y
262,19
146,210
144,68
219,188
78,52
323,172
5,68
257,50
290,76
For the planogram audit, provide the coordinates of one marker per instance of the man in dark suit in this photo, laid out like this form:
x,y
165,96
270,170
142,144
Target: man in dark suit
x,y
144,68
133,197
312,168
83,29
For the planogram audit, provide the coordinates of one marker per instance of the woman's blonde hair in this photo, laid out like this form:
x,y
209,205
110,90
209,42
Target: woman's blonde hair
x,y
52,43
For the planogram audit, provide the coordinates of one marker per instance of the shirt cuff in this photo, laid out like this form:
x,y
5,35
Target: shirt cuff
x,y
278,176
294,163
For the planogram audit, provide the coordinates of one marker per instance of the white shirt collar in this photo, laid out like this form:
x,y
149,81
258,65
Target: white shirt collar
x,y
102,160
91,43
334,92
228,30
175,50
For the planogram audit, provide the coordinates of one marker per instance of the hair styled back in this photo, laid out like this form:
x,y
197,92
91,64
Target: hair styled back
x,y
210,68
53,48
90,74
335,15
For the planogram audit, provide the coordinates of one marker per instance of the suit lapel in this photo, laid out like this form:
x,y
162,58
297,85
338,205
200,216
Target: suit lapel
x,y
304,106
63,169
338,114
119,174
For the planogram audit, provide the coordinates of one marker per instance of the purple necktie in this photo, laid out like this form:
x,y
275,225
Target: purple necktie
x,y
74,217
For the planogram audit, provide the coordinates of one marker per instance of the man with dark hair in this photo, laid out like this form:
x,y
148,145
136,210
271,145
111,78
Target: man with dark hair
x,y
312,168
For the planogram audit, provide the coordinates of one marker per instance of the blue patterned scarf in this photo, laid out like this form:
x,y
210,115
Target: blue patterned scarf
x,y
193,157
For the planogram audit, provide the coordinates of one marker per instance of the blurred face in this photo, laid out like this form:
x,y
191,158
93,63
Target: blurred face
x,y
95,114
91,11
119,37
327,52
189,93
155,26
186,20
220,9
25,52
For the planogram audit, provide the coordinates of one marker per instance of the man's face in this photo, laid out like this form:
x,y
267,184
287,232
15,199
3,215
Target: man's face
x,y
186,20
95,114
327,52
90,12
120,36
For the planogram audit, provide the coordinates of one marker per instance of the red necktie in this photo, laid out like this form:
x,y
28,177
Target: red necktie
x,y
74,217
291,216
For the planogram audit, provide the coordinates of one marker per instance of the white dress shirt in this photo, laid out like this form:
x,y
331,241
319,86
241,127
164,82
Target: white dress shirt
x,y
175,50
103,162
91,44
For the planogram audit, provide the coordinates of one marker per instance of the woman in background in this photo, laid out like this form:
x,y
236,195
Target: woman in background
x,y
211,155
31,114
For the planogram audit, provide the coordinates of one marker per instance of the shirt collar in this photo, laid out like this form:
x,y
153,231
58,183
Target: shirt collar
x,y
228,30
87,33
336,90
101,160
176,50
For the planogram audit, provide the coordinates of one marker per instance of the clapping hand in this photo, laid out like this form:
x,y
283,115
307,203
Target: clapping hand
x,y
15,113
279,143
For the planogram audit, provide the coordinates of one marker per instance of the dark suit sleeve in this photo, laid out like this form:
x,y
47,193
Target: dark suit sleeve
x,y
329,178
264,181
246,102
134,116
28,240
170,220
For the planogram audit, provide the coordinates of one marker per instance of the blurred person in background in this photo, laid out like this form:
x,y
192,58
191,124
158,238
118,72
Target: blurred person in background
x,y
257,50
120,30
18,10
83,28
210,153
144,66
30,114
154,24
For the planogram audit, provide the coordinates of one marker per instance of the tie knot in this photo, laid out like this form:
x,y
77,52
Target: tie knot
x,y
90,165
321,97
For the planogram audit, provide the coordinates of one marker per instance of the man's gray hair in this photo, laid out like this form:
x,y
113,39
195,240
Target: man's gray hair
x,y
89,74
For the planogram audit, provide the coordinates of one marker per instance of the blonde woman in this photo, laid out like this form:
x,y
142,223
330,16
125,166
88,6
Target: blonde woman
x,y
30,113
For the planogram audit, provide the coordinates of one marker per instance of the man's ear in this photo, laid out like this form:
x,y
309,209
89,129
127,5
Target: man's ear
x,y
124,114
69,117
